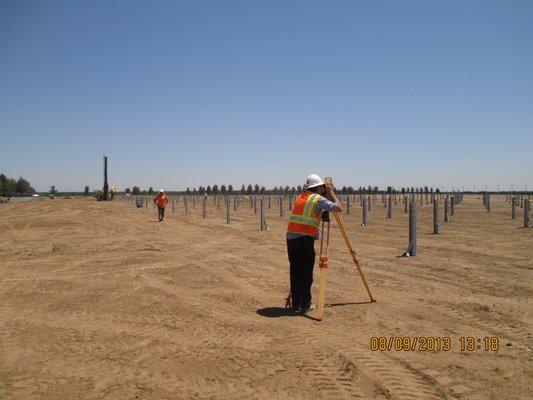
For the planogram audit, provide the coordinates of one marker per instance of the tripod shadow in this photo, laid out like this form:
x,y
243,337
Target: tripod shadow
x,y
347,304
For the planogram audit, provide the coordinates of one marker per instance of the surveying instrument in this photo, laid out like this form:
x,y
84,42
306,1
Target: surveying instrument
x,y
324,258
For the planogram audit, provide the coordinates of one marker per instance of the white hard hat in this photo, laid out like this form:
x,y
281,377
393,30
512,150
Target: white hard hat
x,y
161,191
313,180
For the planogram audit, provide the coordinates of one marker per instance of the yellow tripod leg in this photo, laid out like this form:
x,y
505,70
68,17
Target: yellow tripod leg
x,y
322,274
353,253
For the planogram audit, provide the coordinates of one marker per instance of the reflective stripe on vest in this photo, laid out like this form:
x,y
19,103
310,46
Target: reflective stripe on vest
x,y
303,219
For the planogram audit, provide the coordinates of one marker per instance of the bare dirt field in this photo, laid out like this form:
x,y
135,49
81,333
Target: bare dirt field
x,y
99,300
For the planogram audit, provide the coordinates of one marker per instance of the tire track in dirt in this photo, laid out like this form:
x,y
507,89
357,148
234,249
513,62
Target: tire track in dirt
x,y
400,382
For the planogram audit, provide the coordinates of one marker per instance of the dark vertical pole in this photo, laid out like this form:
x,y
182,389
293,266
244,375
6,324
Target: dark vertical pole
x,y
436,224
452,204
348,205
269,202
234,204
488,202
106,186
173,204
261,214
411,248
204,207
227,210
446,209
365,216
389,212
405,203
527,206
280,206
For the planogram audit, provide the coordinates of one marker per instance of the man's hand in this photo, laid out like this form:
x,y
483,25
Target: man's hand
x,y
329,188
330,193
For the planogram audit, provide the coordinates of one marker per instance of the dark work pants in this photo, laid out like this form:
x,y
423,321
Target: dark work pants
x,y
161,213
302,260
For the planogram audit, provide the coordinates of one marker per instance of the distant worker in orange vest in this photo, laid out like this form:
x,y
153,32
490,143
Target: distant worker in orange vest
x,y
161,201
301,234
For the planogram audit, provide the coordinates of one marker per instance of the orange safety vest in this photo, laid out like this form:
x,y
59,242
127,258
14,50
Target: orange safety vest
x,y
161,200
303,219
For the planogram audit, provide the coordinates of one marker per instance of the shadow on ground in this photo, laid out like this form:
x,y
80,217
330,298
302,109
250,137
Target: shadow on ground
x,y
274,312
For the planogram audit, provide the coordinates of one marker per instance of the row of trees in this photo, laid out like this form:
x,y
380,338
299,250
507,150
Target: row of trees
x,y
256,189
15,187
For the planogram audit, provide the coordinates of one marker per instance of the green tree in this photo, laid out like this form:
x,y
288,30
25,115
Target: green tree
x,y
249,189
243,191
208,190
256,189
86,191
230,189
135,190
215,189
53,190
299,188
262,190
7,185
22,186
127,190
151,190
188,191
223,189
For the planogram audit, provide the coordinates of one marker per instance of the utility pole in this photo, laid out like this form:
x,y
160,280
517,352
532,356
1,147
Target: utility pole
x,y
106,186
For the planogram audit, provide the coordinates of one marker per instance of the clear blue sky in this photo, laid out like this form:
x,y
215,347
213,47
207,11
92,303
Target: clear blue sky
x,y
180,94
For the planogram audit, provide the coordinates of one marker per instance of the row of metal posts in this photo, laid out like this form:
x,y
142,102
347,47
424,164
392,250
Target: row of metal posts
x,y
365,200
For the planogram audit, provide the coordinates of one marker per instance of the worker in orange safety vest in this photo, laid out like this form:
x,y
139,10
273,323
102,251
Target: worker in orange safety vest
x,y
161,201
302,231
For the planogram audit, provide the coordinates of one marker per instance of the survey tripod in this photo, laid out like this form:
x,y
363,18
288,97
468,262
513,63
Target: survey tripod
x,y
324,258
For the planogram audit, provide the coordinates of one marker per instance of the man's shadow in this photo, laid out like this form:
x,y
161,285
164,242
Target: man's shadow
x,y
276,312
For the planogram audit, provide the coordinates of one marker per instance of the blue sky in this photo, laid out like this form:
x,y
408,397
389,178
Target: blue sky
x,y
179,94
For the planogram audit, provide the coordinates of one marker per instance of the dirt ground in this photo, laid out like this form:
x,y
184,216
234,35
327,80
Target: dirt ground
x,y
99,300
